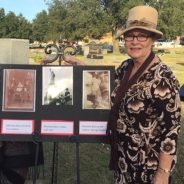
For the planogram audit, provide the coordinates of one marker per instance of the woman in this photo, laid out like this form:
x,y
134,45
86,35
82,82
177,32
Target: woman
x,y
144,120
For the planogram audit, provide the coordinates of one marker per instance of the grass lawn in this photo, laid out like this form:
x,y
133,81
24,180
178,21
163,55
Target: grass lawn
x,y
94,157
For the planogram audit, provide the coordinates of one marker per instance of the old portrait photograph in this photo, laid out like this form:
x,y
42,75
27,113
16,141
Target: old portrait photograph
x,y
57,86
96,89
19,90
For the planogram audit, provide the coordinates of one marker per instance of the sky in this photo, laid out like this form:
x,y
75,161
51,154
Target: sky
x,y
28,8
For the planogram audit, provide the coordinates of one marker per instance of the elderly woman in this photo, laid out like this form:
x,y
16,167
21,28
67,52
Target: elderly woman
x,y
144,120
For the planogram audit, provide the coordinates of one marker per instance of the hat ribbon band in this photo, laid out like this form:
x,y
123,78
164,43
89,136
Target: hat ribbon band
x,y
141,23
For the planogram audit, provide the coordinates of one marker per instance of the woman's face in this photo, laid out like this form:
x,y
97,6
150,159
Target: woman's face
x,y
138,44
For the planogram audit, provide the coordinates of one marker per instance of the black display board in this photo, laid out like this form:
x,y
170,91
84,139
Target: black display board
x,y
70,113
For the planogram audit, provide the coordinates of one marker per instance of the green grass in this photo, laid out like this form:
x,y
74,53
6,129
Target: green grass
x,y
94,158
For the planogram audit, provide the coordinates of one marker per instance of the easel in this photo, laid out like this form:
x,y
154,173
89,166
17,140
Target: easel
x,y
73,113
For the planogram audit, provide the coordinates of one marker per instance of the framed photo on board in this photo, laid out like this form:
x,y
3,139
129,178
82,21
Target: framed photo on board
x,y
19,90
57,86
96,89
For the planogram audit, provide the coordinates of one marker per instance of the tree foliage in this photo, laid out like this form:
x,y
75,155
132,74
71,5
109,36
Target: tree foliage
x,y
117,11
40,27
57,14
94,17
76,19
13,26
171,18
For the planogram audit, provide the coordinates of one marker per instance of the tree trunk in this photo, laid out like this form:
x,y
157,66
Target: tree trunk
x,y
115,42
116,33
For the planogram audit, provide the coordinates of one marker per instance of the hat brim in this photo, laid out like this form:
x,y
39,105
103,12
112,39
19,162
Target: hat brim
x,y
159,34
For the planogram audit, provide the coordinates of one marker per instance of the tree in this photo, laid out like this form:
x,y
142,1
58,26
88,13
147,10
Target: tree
x,y
10,25
117,11
13,26
2,23
76,19
23,28
91,18
57,13
170,17
86,18
40,27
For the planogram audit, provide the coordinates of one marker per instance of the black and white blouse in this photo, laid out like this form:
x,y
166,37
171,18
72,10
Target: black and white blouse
x,y
149,122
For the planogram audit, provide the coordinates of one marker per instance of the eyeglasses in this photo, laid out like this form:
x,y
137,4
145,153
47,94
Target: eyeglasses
x,y
141,38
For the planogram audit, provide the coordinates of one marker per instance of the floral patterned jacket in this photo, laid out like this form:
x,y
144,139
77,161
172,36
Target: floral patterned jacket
x,y
149,119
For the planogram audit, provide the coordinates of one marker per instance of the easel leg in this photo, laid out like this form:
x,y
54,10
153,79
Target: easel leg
x,y
35,172
55,163
78,162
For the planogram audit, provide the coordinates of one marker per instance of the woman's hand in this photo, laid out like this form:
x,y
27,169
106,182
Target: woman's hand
x,y
164,169
161,177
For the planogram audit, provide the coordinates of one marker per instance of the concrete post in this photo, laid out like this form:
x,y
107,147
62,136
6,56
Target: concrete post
x,y
14,51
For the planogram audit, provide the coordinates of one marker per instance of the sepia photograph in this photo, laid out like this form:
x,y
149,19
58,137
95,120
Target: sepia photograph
x,y
96,89
19,90
57,86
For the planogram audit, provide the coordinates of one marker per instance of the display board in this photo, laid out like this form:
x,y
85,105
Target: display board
x,y
55,103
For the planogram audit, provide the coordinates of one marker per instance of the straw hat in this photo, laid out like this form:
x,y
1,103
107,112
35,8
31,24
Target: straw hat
x,y
143,17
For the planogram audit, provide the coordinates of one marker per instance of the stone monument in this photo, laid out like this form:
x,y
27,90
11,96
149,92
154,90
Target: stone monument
x,y
14,51
95,51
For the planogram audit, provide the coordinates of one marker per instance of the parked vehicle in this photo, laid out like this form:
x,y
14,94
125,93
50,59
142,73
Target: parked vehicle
x,y
164,43
182,41
108,47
